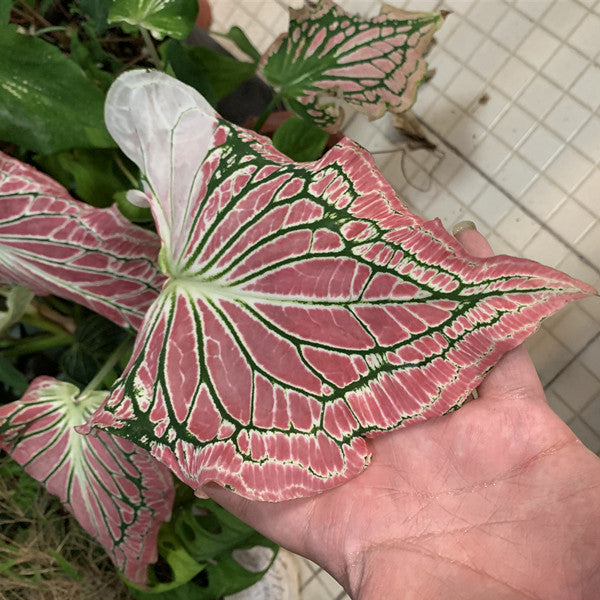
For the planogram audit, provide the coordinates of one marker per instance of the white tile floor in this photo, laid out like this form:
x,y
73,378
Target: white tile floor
x,y
514,109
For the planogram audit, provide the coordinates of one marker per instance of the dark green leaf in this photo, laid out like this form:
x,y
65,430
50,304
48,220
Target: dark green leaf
x,y
195,549
46,102
43,6
97,12
93,175
224,73
91,61
174,18
213,531
79,365
12,378
210,533
186,70
94,339
300,140
99,335
239,38
174,568
5,11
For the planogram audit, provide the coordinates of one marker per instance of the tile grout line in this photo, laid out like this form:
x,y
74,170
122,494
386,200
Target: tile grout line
x,y
564,96
510,197
571,361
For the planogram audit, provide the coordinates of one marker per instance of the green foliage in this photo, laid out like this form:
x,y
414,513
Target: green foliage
x,y
39,90
213,75
97,12
174,18
224,73
300,140
182,66
12,378
240,39
4,11
94,340
92,175
197,554
93,60
13,304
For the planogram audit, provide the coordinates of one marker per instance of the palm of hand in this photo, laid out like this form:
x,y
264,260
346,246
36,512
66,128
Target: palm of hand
x,y
476,504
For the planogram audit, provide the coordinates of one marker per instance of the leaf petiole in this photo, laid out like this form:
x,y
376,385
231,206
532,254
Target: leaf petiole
x,y
44,30
106,368
37,343
154,57
268,110
125,170
43,324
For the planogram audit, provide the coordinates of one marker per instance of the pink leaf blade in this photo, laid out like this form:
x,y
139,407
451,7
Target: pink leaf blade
x,y
363,318
115,489
53,244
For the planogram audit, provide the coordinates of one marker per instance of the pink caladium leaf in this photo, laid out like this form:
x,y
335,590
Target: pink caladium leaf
x,y
376,65
306,307
54,244
116,490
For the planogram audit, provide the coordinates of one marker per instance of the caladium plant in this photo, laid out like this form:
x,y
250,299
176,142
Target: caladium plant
x,y
116,490
293,310
305,308
374,64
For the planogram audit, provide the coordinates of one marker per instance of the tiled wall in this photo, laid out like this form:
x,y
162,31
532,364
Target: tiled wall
x,y
514,111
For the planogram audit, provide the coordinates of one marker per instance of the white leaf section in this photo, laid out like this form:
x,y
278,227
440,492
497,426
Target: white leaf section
x,y
145,108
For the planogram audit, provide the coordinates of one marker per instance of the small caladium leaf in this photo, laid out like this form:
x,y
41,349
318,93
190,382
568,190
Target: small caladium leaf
x,y
174,18
306,307
53,244
119,494
373,64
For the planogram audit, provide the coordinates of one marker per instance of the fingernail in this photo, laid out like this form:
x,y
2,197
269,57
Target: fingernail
x,y
462,226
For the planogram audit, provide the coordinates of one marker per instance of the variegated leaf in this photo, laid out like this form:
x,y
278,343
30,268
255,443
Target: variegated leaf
x,y
116,490
53,244
373,64
306,307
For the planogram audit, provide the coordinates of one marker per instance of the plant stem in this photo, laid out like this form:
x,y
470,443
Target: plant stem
x,y
268,110
44,30
37,343
106,368
44,324
38,19
59,305
125,170
154,57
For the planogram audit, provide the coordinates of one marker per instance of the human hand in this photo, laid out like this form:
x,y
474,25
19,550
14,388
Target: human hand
x,y
499,500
